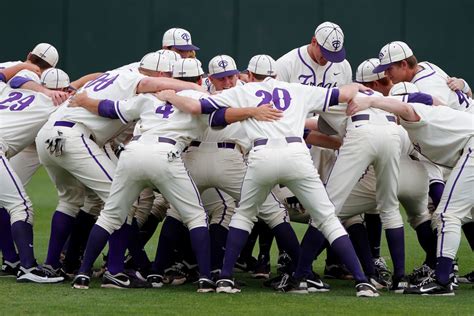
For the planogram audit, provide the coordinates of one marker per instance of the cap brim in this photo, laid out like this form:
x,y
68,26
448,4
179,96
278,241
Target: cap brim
x,y
381,68
334,57
186,47
225,74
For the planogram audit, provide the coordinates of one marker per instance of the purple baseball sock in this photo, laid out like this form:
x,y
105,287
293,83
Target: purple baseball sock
x,y
6,240
247,251
61,227
118,242
236,239
373,225
78,240
95,244
396,245
444,267
23,236
288,242
311,244
136,250
468,229
358,236
166,244
342,246
435,192
202,249
427,240
218,237
265,241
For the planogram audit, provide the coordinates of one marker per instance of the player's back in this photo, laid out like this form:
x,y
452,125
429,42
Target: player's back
x,y
113,85
22,114
433,80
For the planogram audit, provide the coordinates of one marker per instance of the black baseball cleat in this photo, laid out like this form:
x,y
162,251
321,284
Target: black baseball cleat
x,y
9,269
52,272
432,288
206,285
227,286
337,271
81,282
379,282
275,281
420,274
36,275
176,274
247,265
315,284
156,280
292,285
262,268
122,281
467,279
399,285
366,290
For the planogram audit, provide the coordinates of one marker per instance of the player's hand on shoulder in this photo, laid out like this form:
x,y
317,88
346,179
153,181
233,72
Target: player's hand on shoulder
x,y
165,95
58,97
78,99
358,104
455,83
266,112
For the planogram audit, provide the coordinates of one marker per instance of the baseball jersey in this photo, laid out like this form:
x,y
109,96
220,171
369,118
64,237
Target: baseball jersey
x,y
112,85
295,100
9,64
22,114
297,66
433,80
441,134
22,73
207,84
159,118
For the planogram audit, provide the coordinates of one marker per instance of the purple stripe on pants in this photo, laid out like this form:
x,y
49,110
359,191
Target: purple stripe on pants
x,y
97,161
447,202
18,188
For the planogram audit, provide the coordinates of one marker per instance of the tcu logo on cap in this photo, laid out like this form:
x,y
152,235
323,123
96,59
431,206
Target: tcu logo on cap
x,y
336,44
223,63
186,37
381,55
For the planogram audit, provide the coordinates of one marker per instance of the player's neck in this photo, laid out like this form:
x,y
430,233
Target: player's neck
x,y
311,55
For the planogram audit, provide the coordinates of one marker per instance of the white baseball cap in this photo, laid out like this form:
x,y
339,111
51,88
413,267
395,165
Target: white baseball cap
x,y
262,65
222,66
46,52
391,53
156,62
178,38
187,67
331,41
365,70
402,88
171,55
55,78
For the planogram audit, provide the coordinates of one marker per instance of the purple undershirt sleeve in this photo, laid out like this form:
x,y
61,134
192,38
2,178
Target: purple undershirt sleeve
x,y
207,107
3,78
18,81
217,119
107,109
420,97
306,132
334,97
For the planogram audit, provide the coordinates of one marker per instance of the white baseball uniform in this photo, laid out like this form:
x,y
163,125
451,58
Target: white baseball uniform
x,y
279,154
445,137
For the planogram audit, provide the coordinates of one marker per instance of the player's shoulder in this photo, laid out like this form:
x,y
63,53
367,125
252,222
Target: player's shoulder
x,y
9,64
292,55
193,94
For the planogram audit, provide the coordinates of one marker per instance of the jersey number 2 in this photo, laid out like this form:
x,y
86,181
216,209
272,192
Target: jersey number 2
x,y
280,97
19,103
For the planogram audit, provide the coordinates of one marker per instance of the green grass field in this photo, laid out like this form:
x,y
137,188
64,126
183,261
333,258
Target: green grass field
x,y
254,299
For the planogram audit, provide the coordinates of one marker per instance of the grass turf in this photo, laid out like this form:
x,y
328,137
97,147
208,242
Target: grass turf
x,y
182,300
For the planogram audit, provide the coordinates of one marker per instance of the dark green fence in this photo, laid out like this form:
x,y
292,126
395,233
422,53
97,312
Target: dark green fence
x,y
94,35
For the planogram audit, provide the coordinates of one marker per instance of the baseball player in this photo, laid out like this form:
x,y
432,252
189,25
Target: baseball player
x,y
321,63
179,40
276,145
167,131
445,136
19,107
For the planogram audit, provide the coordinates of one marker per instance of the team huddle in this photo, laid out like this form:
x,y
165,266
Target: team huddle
x,y
229,158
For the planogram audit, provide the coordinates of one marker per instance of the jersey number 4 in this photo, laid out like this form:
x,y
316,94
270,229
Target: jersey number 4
x,y
16,101
165,110
280,97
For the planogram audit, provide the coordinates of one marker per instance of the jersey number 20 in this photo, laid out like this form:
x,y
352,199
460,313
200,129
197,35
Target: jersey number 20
x,y
280,97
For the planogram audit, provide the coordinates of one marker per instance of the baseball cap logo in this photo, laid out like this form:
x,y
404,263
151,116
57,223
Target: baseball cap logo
x,y
336,44
222,63
186,37
381,55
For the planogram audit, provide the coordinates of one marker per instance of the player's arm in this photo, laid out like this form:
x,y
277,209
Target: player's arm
x,y
152,84
57,96
90,104
77,84
397,107
459,84
8,73
322,140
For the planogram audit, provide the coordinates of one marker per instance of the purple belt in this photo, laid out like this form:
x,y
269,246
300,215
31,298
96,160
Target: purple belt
x,y
64,123
160,139
196,143
366,117
264,141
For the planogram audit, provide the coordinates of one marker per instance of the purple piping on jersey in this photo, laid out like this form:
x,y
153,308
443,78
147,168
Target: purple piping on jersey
x,y
97,161
419,97
18,81
117,108
106,153
310,68
326,100
437,181
280,205
215,103
106,108
18,189
217,118
3,78
324,75
334,100
225,206
428,75
449,199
